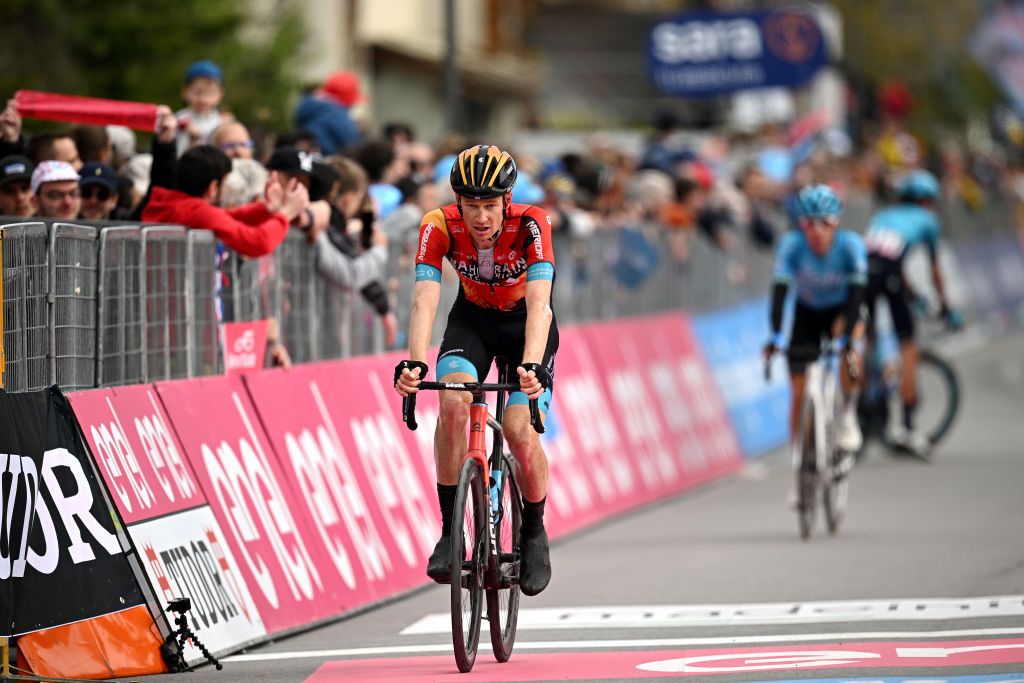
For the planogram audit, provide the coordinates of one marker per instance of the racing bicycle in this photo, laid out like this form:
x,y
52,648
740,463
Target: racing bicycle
x,y
938,391
485,525
822,468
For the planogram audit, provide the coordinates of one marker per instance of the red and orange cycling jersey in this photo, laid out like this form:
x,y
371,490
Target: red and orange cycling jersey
x,y
492,278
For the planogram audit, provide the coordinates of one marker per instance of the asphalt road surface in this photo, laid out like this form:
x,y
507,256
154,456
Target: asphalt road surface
x,y
924,581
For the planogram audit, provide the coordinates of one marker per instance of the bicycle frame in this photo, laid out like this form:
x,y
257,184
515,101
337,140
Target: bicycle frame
x,y
821,385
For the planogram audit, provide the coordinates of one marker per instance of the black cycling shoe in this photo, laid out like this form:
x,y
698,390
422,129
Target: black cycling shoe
x,y
439,566
535,563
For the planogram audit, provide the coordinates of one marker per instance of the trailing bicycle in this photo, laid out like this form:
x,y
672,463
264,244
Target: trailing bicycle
x,y
938,393
821,467
485,559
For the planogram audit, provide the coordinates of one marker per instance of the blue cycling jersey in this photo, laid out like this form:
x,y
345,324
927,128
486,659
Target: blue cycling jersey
x,y
895,230
822,281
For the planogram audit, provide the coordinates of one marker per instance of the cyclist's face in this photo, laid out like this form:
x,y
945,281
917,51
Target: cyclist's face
x,y
820,233
483,218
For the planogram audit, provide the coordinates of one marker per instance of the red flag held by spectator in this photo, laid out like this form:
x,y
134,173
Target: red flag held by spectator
x,y
33,104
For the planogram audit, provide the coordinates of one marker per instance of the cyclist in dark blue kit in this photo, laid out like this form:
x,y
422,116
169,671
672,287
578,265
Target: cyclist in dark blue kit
x,y
828,269
892,233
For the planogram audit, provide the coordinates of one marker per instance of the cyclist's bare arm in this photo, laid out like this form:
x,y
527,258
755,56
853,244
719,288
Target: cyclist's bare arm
x,y
538,320
538,324
426,296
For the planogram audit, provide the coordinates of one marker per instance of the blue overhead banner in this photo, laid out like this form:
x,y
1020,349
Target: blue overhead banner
x,y
705,54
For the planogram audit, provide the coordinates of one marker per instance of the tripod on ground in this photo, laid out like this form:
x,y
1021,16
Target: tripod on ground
x,y
173,650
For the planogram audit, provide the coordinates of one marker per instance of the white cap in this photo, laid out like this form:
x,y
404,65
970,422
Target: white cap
x,y
52,172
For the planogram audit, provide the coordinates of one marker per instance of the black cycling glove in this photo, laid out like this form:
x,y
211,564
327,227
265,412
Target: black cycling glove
x,y
411,365
540,372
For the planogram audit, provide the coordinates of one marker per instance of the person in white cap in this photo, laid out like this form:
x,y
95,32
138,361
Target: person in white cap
x,y
55,190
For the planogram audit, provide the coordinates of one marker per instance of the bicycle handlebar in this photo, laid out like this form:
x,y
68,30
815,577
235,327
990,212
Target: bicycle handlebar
x,y
830,348
409,402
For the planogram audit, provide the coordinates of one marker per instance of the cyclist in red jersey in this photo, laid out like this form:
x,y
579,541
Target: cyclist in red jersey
x,y
502,253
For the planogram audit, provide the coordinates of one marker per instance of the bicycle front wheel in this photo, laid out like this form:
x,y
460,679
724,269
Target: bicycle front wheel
x,y
806,471
469,553
503,602
938,396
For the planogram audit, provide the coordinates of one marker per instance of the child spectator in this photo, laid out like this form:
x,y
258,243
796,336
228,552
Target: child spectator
x,y
203,91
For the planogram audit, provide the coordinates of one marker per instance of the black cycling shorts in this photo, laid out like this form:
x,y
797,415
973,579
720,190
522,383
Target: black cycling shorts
x,y
810,325
475,336
885,279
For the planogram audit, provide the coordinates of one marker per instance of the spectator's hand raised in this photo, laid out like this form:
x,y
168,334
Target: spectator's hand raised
x,y
273,194
296,199
10,123
166,124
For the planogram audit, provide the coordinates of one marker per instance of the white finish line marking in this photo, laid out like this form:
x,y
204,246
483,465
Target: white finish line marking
x,y
679,616
613,644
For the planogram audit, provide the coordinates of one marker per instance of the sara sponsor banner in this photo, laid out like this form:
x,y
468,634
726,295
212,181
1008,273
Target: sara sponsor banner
x,y
181,546
239,473
705,54
361,479
732,341
64,578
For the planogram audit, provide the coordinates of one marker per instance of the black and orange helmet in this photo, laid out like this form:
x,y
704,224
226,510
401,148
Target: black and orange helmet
x,y
482,172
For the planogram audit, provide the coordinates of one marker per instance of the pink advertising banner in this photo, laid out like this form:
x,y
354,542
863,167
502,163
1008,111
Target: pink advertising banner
x,y
288,573
137,452
361,478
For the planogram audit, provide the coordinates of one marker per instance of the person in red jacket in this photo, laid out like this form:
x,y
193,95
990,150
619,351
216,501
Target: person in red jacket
x,y
252,230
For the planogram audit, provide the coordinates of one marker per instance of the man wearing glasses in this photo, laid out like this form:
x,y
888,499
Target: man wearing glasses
x,y
55,190
98,187
233,139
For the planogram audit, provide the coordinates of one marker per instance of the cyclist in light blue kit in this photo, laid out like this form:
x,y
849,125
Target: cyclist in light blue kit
x,y
828,268
892,233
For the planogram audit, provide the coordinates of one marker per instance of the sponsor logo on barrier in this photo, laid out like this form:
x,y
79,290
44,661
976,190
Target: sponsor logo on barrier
x,y
192,569
185,554
72,507
125,474
245,346
257,513
336,503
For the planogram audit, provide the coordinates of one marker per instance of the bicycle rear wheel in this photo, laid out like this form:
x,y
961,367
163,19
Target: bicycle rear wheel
x,y
503,602
938,396
469,553
806,472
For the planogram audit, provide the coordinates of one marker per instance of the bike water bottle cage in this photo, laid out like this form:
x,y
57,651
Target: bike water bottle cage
x,y
540,372
411,365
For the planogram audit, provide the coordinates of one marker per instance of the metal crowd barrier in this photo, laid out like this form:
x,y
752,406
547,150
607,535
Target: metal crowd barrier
x,y
26,335
120,318
108,305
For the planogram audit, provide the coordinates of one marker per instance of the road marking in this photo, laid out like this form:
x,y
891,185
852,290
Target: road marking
x,y
991,678
669,616
630,643
639,664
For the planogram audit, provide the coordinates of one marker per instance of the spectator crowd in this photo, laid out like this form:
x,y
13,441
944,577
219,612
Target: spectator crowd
x,y
358,192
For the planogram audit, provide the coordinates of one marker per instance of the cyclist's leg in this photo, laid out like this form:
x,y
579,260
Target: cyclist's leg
x,y
459,359
532,467
803,344
903,322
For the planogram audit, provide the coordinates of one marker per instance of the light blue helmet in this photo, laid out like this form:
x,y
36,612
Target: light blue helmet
x,y
917,186
819,201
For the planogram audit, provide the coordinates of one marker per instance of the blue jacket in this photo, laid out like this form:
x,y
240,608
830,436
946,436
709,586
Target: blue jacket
x,y
328,121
